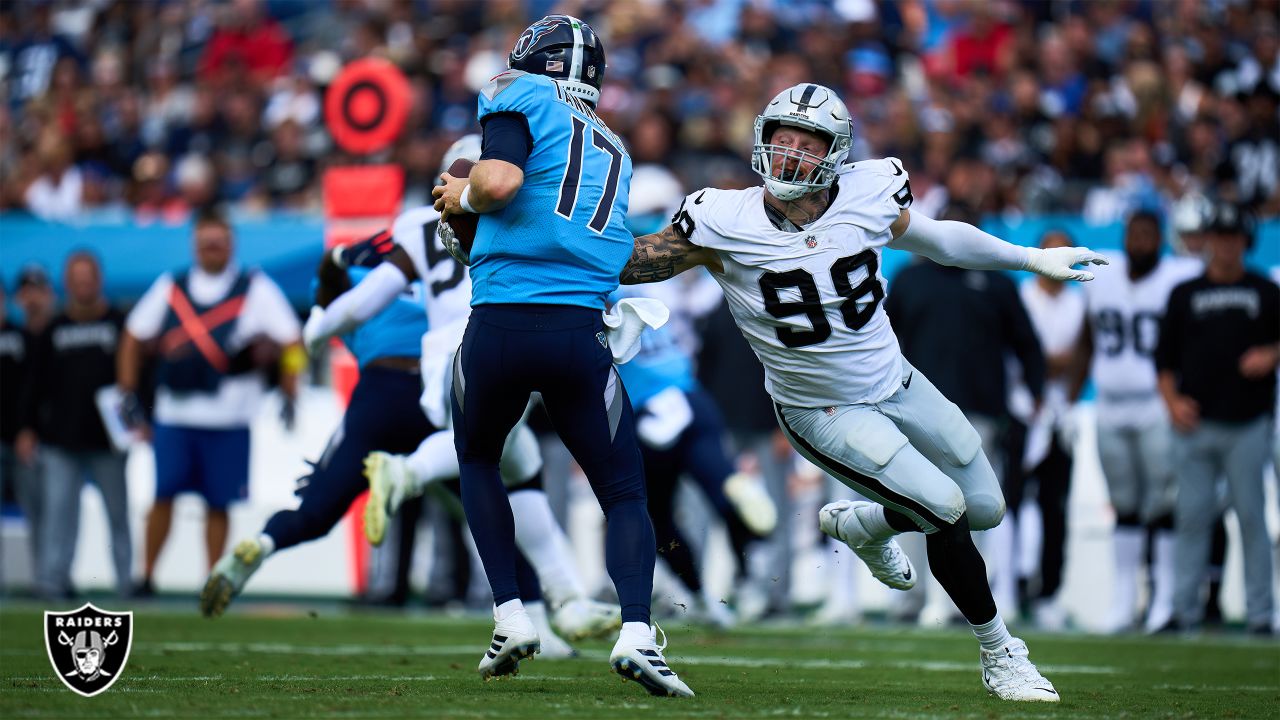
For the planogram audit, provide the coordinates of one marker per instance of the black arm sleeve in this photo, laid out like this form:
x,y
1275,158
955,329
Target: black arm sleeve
x,y
506,138
34,394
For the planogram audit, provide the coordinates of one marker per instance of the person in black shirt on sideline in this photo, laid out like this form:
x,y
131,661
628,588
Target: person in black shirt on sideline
x,y
14,476
35,298
70,361
1217,356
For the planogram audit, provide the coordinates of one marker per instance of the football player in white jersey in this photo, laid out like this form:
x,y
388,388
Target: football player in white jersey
x,y
394,479
799,261
1135,439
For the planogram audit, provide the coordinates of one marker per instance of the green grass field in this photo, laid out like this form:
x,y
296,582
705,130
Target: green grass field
x,y
267,661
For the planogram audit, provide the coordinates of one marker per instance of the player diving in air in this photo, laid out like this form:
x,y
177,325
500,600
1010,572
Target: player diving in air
x,y
799,262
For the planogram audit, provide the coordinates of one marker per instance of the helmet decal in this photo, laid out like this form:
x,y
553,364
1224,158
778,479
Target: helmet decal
x,y
531,34
565,49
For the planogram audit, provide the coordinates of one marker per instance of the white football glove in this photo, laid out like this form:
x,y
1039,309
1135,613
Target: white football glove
x,y
1056,263
451,243
311,335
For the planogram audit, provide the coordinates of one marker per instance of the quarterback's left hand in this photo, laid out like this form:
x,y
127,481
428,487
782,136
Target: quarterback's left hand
x,y
311,336
1057,263
449,195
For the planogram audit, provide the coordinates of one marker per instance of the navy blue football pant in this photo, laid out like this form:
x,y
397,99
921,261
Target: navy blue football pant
x,y
383,415
508,352
700,452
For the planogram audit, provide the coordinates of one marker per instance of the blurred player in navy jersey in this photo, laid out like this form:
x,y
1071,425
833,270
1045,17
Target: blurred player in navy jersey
x,y
383,414
551,190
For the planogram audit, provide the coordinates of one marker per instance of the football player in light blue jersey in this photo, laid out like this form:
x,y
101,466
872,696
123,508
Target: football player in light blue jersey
x,y
551,190
563,235
383,414
396,331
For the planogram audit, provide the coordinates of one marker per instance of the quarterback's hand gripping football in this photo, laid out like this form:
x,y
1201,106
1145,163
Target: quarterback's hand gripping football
x,y
448,196
451,243
1058,263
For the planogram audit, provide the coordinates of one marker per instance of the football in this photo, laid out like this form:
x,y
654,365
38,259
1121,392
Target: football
x,y
464,226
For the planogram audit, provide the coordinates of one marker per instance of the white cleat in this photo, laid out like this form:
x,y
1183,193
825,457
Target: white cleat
x,y
1009,675
386,474
581,618
553,646
514,639
229,575
639,657
751,500
884,558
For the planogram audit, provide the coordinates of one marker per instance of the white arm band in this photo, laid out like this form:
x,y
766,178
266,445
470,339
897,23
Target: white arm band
x,y
368,298
959,244
465,199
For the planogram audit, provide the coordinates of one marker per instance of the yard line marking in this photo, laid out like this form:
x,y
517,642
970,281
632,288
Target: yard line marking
x,y
756,662
1220,688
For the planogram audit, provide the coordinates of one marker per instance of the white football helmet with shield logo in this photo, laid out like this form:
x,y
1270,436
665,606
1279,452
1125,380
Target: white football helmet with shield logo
x,y
811,107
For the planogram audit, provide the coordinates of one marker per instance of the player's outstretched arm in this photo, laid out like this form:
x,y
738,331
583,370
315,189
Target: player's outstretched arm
x,y
367,298
665,254
962,245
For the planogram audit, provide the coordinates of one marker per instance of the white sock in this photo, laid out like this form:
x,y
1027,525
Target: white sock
x,y
637,631
992,635
1165,571
873,521
267,543
544,542
1127,545
507,609
998,550
433,461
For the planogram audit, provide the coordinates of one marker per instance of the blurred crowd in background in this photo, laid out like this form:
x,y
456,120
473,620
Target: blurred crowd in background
x,y
152,107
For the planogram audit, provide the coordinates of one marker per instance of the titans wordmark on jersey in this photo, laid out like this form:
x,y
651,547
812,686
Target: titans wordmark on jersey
x,y
809,302
1125,319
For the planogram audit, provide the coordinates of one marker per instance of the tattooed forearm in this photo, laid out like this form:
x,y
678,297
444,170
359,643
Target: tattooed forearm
x,y
659,256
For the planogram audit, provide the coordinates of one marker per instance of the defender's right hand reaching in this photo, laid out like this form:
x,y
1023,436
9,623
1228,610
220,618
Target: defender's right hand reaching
x,y
1058,263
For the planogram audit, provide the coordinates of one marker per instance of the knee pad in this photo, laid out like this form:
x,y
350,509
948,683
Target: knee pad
x,y
521,456
626,491
957,439
874,440
985,512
